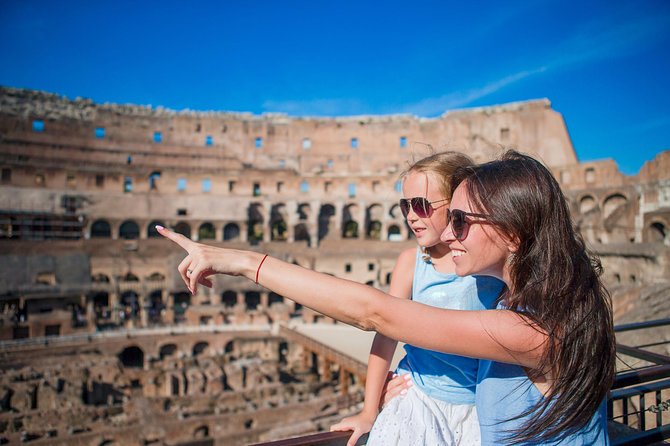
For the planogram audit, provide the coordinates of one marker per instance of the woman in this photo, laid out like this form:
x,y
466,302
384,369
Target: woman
x,y
548,348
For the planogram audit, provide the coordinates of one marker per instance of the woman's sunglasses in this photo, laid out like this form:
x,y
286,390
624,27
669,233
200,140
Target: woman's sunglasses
x,y
421,206
460,224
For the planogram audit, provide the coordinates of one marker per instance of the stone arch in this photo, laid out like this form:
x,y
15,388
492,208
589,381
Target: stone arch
x,y
229,347
167,350
132,356
100,278
657,232
129,230
304,211
278,219
301,233
395,212
326,214
130,304
156,277
586,204
101,229
152,232
183,228
156,306
612,203
181,303
394,233
200,348
201,432
275,298
130,277
252,300
206,231
374,215
255,222
229,299
349,223
231,232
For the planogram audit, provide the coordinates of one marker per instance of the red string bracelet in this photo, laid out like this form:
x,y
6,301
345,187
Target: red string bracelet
x,y
259,266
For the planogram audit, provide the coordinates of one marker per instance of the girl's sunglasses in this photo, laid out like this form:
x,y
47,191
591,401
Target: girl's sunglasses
x,y
460,224
421,206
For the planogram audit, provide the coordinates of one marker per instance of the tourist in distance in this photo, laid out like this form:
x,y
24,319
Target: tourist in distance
x,y
439,407
547,351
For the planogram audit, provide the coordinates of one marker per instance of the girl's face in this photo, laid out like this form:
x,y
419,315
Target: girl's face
x,y
483,251
428,229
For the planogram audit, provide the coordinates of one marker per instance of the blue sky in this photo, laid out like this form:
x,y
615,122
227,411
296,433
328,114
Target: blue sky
x,y
604,65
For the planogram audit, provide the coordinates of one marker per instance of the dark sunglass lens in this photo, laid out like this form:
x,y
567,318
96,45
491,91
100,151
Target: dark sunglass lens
x,y
421,207
459,225
404,207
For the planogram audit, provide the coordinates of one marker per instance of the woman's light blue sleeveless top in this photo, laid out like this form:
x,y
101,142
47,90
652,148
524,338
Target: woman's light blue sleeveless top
x,y
442,376
504,391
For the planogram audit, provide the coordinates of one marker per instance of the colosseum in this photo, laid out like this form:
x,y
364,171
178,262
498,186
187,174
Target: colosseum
x,y
84,276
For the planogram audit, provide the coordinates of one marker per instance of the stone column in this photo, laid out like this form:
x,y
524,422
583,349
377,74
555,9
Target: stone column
x,y
219,231
362,227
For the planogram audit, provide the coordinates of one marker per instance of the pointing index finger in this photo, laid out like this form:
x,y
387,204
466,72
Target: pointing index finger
x,y
179,239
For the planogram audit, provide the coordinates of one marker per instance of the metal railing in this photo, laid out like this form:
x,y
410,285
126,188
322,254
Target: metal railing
x,y
639,402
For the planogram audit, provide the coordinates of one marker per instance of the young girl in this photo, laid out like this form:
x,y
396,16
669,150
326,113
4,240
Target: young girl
x,y
549,347
440,409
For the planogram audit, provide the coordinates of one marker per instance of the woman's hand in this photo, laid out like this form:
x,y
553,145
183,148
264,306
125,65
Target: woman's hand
x,y
360,424
203,261
396,385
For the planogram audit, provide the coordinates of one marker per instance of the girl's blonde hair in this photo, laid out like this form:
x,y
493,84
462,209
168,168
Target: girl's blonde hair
x,y
442,166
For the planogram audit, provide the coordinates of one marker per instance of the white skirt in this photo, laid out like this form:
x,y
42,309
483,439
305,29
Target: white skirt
x,y
417,419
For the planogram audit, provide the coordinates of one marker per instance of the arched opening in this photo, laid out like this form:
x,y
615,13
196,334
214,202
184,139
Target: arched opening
x,y
304,211
279,228
132,357
252,299
275,298
156,277
183,228
181,304
201,432
349,224
130,306
373,224
586,204
129,230
156,307
130,277
350,229
656,233
152,232
229,299
231,232
612,203
394,234
301,234
100,278
206,231
200,348
230,347
101,229
100,301
326,214
255,223
167,351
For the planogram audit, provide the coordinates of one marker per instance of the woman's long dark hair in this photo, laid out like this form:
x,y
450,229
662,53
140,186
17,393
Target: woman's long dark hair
x,y
555,283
